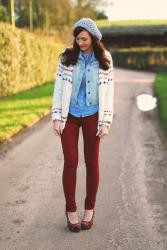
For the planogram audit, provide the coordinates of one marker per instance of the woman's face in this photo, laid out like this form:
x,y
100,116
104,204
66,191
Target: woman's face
x,y
84,41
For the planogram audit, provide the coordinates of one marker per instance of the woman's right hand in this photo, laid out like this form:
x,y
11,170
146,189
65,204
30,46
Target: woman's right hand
x,y
57,127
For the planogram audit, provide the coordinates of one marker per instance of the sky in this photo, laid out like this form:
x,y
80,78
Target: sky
x,y
136,9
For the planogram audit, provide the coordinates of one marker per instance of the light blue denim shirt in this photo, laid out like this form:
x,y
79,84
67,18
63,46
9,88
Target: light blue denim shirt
x,y
85,102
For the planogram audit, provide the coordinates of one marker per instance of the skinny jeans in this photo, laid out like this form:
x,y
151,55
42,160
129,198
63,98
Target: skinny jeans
x,y
69,141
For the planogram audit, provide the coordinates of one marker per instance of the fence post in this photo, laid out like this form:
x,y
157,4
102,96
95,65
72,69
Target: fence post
x,y
12,13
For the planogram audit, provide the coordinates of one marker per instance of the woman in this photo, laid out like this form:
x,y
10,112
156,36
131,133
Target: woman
x,y
83,97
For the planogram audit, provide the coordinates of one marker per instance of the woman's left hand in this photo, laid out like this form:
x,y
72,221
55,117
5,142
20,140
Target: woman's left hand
x,y
103,131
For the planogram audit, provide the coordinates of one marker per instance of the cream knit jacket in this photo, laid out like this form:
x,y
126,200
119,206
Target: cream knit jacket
x,y
63,90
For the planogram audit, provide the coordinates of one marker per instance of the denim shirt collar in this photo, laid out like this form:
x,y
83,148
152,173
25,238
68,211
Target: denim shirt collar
x,y
90,58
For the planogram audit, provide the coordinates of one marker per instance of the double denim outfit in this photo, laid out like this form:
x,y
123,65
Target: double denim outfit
x,y
84,98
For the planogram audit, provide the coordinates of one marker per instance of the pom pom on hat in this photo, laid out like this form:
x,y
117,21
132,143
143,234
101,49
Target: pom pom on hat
x,y
90,26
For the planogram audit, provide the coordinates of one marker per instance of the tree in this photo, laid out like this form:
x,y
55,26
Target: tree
x,y
101,15
51,14
89,8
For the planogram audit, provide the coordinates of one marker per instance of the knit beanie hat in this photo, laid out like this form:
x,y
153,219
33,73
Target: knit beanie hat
x,y
89,25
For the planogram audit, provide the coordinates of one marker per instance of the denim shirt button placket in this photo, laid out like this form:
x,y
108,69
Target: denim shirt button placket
x,y
85,75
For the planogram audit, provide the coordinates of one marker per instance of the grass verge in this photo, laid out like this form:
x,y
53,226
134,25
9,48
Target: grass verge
x,y
160,87
24,109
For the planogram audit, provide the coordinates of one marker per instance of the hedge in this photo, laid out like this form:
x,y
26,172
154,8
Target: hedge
x,y
152,59
25,60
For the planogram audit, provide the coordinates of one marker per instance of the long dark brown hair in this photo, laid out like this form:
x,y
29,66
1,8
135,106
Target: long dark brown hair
x,y
70,55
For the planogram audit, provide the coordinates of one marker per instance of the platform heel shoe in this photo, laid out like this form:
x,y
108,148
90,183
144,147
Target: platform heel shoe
x,y
87,224
76,227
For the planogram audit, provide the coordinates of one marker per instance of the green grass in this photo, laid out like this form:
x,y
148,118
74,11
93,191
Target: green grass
x,y
161,93
107,23
24,109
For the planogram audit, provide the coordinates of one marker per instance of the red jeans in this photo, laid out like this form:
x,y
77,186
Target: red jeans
x,y
69,140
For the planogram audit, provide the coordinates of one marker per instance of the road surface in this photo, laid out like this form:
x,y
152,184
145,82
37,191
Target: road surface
x,y
131,206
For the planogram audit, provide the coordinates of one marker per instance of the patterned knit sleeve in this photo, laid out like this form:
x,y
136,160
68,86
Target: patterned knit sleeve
x,y
57,95
109,95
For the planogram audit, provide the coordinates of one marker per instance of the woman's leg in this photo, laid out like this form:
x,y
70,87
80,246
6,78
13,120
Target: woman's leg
x,y
91,153
69,139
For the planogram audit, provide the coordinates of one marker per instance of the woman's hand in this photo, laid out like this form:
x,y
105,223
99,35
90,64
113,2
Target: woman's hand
x,y
57,128
103,131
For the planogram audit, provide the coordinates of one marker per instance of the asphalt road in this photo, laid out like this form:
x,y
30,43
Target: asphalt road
x,y
131,206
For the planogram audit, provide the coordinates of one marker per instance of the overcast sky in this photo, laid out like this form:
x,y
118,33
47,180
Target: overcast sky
x,y
136,9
